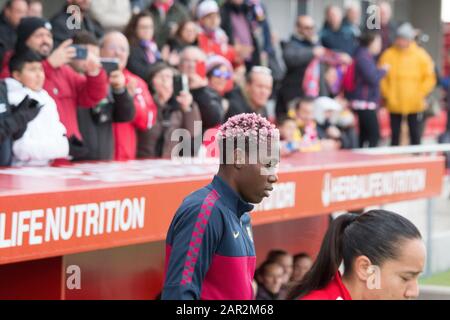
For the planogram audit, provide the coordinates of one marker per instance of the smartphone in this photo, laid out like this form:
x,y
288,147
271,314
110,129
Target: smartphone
x,y
81,52
200,69
110,64
180,83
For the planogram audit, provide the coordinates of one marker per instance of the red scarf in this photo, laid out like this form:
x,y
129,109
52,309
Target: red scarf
x,y
164,7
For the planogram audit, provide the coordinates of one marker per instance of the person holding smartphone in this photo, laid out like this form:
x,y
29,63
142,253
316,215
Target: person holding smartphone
x,y
176,110
96,124
115,46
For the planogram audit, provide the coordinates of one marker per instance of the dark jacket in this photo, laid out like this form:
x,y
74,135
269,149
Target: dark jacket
x,y
210,254
13,123
297,55
348,139
238,104
138,62
210,105
96,124
264,294
8,34
175,44
227,26
164,24
61,32
156,142
342,40
367,77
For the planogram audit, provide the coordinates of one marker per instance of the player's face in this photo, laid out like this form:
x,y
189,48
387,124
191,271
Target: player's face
x,y
256,180
399,277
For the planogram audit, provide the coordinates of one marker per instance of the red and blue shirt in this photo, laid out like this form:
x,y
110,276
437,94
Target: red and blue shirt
x,y
210,253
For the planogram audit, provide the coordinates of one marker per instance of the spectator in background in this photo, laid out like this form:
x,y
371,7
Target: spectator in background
x,y
167,15
298,53
289,135
111,14
13,12
365,97
185,36
445,83
254,97
302,264
35,8
115,45
176,110
302,109
220,74
284,259
269,277
68,88
209,102
410,79
212,39
335,126
45,137
352,19
388,27
237,24
335,35
96,124
60,21
13,122
143,49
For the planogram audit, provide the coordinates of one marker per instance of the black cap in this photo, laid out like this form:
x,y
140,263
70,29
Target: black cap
x,y
27,27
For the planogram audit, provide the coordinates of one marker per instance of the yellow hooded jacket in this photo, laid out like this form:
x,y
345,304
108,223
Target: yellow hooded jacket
x,y
410,79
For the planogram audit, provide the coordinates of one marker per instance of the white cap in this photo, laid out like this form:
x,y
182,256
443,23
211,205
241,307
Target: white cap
x,y
207,7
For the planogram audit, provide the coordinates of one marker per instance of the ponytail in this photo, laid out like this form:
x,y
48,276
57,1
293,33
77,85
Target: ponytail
x,y
328,259
376,234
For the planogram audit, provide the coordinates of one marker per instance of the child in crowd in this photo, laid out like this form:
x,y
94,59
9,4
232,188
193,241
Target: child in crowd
x,y
45,137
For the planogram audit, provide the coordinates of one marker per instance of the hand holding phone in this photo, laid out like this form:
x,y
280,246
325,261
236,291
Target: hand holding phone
x,y
180,84
110,64
81,52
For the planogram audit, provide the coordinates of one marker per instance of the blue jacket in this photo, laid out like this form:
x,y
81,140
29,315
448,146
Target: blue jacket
x,y
342,40
367,77
210,253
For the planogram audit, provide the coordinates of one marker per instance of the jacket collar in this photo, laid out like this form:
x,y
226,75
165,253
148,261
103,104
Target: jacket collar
x,y
231,199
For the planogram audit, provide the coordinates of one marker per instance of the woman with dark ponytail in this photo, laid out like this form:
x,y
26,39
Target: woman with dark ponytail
x,y
382,254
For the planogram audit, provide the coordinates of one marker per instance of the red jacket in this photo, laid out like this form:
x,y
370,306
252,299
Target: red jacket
x,y
125,133
335,290
212,47
5,64
69,89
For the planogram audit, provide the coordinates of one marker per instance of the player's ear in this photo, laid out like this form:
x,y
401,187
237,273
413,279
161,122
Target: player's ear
x,y
239,158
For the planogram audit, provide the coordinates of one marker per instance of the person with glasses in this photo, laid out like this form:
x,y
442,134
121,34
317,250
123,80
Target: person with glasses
x,y
220,74
298,52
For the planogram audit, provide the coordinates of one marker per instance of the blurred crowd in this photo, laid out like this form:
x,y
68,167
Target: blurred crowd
x,y
114,79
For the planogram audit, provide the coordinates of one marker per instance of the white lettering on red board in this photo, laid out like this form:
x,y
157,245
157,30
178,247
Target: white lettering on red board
x,y
374,185
35,227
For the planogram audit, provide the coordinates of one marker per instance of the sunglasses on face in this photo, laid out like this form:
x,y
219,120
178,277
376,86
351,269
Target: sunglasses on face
x,y
221,74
